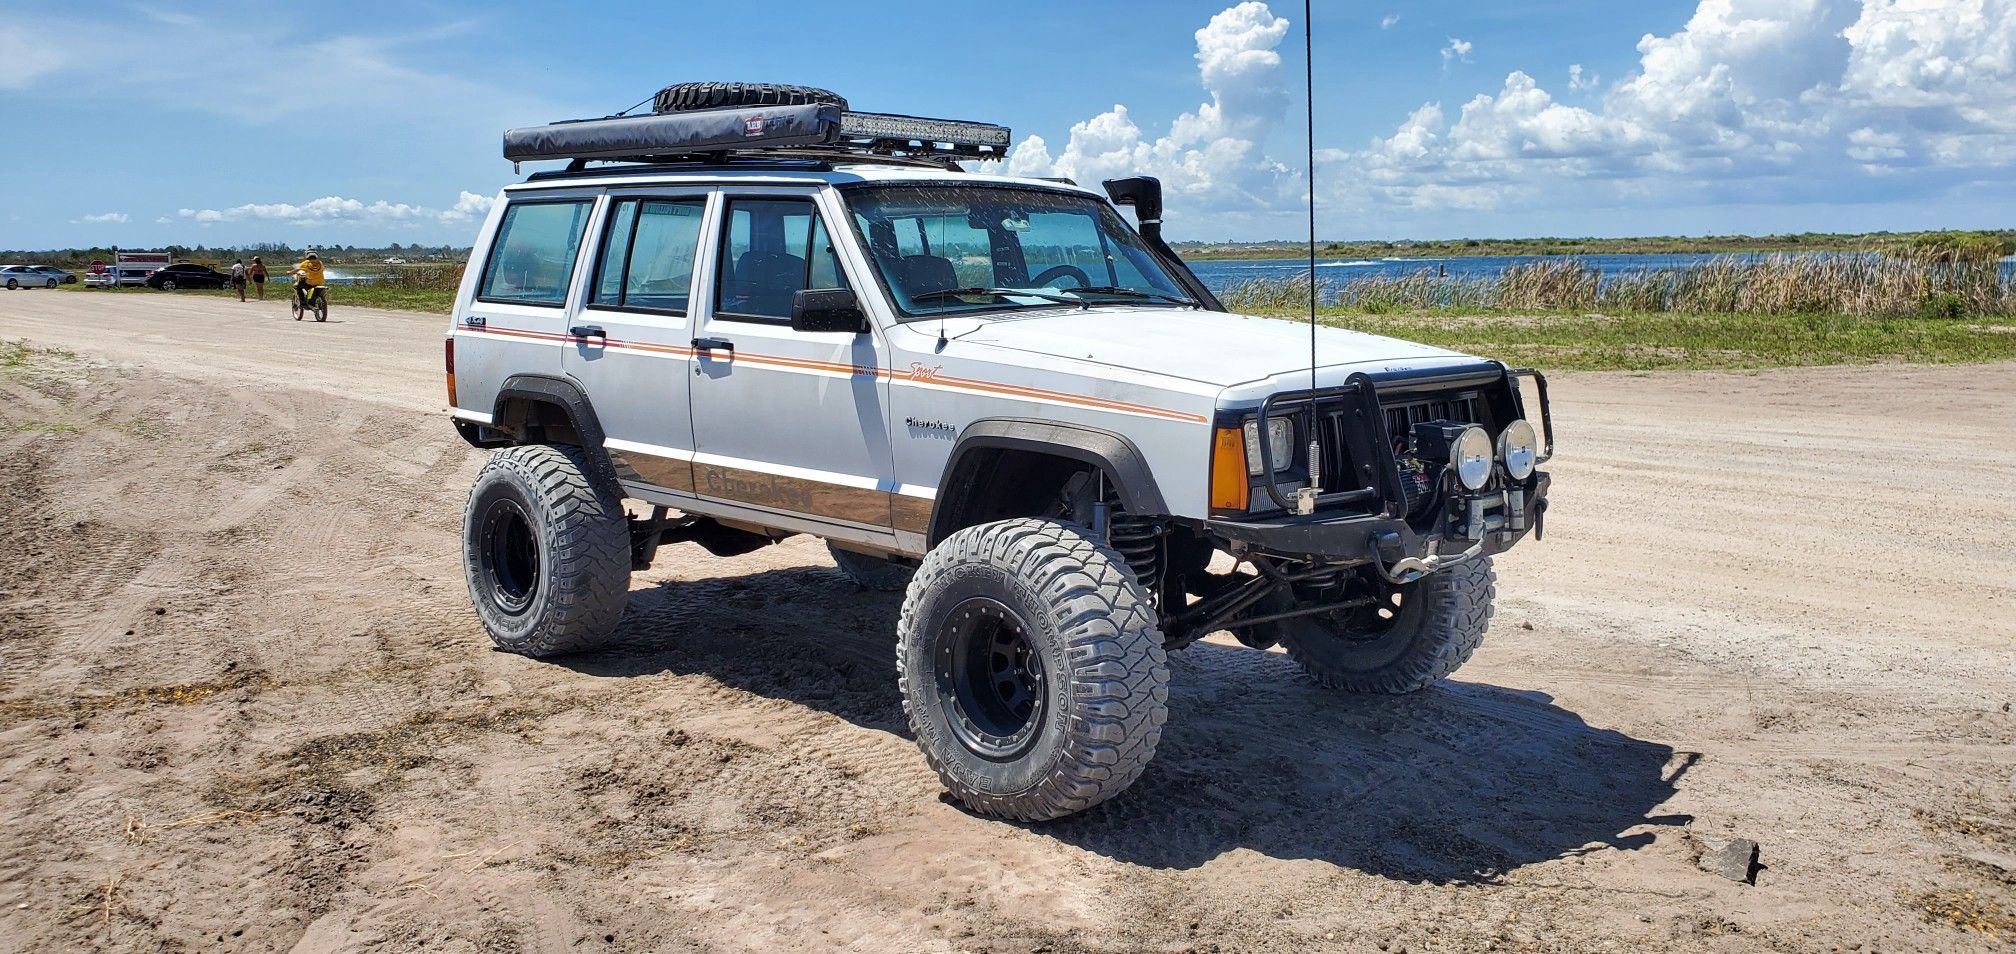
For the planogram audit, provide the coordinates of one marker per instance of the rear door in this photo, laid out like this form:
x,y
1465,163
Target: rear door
x,y
788,421
632,349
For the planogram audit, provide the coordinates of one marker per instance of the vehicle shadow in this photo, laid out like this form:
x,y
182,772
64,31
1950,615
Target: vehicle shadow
x,y
1462,782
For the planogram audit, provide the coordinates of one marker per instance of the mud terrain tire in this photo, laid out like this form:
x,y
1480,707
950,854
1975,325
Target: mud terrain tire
x,y
871,573
546,550
1085,654
686,97
1439,624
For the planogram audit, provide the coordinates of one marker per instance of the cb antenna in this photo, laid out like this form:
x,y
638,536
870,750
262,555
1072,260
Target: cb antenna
x,y
1305,499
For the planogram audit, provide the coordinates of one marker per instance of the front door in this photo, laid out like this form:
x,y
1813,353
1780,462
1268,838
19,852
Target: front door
x,y
630,335
787,421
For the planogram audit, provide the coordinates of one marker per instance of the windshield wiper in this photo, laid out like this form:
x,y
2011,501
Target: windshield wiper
x,y
944,293
1119,292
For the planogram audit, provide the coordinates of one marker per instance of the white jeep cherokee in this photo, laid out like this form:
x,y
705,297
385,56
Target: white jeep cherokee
x,y
770,316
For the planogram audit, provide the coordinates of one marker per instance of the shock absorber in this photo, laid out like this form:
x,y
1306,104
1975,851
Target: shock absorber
x,y
1139,540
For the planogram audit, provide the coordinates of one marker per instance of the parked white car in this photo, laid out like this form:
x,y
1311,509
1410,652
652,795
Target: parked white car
x,y
26,276
991,393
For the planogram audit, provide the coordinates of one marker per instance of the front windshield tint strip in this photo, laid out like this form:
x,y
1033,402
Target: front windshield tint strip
x,y
965,249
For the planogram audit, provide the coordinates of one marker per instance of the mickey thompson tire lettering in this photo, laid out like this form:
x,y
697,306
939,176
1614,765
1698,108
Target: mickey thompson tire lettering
x,y
546,551
1091,631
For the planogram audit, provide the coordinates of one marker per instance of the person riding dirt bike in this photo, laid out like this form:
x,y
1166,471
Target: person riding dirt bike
x,y
308,290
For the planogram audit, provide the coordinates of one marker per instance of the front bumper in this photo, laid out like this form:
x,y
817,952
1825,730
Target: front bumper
x,y
1370,538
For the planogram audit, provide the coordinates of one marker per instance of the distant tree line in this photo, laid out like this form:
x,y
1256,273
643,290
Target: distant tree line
x,y
78,258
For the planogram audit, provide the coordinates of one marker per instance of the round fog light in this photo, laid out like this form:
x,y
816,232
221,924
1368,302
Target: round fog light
x,y
1518,449
1472,455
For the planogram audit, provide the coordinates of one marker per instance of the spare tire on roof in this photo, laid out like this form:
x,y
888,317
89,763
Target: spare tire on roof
x,y
686,97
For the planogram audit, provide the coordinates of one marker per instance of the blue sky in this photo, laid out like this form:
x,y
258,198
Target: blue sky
x,y
236,122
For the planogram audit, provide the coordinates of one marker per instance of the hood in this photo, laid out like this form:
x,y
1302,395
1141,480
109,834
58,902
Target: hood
x,y
1211,347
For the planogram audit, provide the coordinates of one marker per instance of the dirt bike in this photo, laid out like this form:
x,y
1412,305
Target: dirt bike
x,y
316,301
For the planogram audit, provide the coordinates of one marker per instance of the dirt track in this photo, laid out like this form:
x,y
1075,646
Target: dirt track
x,y
244,704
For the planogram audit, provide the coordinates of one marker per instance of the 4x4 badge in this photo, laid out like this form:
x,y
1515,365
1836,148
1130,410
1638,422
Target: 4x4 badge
x,y
474,321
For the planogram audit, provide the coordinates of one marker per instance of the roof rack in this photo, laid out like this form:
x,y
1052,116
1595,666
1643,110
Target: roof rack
x,y
814,133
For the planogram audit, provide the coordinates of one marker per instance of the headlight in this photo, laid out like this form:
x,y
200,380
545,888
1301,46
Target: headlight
x,y
1472,456
1280,444
1518,449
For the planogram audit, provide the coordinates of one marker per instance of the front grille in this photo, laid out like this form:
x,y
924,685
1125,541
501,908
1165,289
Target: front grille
x,y
1337,466
1401,415
1342,429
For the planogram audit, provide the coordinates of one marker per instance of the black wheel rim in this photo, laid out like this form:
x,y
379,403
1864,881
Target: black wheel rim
x,y
510,556
990,678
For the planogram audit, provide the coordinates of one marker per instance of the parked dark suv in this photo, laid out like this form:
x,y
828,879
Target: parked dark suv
x,y
187,275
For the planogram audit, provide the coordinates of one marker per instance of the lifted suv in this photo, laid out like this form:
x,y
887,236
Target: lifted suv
x,y
773,316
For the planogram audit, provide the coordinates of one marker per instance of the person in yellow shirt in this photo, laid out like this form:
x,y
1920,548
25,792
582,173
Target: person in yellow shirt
x,y
307,275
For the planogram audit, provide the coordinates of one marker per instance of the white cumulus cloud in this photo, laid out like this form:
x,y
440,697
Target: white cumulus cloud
x,y
468,205
1388,21
332,208
1211,158
1456,51
104,218
1751,100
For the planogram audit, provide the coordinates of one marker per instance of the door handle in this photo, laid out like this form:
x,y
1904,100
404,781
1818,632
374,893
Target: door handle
x,y
714,344
587,331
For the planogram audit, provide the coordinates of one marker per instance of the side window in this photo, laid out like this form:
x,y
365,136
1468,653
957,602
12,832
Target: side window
x,y
532,260
647,258
770,250
615,253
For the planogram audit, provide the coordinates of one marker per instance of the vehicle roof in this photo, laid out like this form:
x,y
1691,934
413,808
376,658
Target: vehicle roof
x,y
840,173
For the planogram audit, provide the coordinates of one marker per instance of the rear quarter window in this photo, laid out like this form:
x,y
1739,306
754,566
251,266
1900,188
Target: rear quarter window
x,y
532,260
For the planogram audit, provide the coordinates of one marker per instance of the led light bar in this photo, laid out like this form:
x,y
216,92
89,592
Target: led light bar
x,y
917,129
753,130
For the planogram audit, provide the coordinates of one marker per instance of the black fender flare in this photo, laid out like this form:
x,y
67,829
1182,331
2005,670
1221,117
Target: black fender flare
x,y
565,395
1112,453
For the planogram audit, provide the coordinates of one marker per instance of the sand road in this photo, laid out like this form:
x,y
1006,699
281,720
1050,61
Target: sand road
x,y
244,704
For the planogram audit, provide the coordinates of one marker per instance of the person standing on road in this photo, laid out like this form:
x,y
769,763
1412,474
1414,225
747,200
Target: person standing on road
x,y
238,277
259,276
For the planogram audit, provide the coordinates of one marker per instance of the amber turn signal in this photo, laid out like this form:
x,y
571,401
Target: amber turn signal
x,y
1229,488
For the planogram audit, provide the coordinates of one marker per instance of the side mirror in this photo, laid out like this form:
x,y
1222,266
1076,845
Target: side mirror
x,y
827,309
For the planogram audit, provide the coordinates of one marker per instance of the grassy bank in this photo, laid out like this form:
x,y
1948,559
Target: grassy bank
x,y
1788,310
1666,341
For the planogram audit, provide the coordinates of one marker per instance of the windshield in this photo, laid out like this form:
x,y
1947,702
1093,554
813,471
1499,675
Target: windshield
x,y
944,250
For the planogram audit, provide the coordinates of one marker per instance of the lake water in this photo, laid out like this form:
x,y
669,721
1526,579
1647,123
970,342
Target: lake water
x,y
1220,274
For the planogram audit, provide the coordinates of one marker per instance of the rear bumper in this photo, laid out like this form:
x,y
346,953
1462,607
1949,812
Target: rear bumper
x,y
1378,538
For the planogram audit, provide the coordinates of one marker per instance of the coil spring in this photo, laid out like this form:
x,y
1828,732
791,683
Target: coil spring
x,y
1137,540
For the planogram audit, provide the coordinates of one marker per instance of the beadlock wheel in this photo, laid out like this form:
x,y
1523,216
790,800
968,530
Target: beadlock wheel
x,y
546,551
990,678
1031,669
509,555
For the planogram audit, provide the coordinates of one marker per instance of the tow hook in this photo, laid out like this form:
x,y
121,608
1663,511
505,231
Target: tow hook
x,y
1407,569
